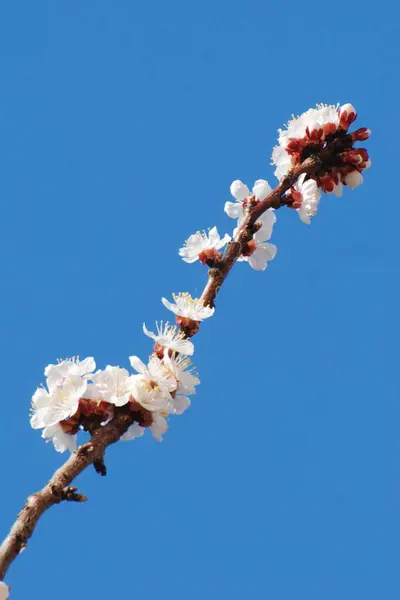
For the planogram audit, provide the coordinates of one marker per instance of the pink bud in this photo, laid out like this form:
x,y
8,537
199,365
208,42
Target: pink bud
x,y
360,135
353,179
365,165
327,184
347,114
353,157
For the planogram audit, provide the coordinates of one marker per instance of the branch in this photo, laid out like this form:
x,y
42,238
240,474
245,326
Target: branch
x,y
58,488
276,199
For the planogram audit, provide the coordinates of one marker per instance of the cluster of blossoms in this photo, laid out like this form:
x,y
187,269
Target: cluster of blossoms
x,y
321,132
257,252
77,397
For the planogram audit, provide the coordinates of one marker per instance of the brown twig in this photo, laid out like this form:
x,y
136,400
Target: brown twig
x,y
58,488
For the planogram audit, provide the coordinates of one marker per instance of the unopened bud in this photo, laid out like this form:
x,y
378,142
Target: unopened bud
x,y
295,197
315,135
347,114
353,179
329,128
366,165
295,145
352,157
249,248
327,184
188,326
209,256
360,135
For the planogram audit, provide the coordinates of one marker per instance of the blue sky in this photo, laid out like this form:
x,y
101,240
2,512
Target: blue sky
x,y
123,125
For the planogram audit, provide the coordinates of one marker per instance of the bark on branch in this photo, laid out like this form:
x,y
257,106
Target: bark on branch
x,y
58,488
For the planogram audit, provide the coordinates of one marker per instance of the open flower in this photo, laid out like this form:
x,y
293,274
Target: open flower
x,y
181,367
65,369
188,307
241,193
309,196
51,408
203,246
62,441
169,336
258,251
156,378
113,385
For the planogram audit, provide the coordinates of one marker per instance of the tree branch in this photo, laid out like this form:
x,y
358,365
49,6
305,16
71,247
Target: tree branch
x,y
58,488
275,199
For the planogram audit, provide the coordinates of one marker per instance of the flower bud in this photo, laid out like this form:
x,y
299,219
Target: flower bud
x,y
353,179
315,135
353,157
329,128
365,165
360,135
327,184
347,114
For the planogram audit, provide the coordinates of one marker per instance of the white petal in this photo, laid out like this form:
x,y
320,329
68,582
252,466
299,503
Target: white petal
x,y
213,237
180,404
150,334
263,253
87,365
353,179
267,220
239,190
159,427
261,189
169,305
304,216
138,365
234,210
134,431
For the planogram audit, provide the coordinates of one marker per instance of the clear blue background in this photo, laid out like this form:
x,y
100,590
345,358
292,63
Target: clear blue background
x,y
122,126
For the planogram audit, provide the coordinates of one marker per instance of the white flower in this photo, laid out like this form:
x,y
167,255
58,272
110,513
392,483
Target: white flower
x,y
155,376
186,306
259,251
70,367
62,441
159,426
113,385
311,197
353,179
4,589
169,336
183,372
148,394
133,432
50,408
240,192
199,242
